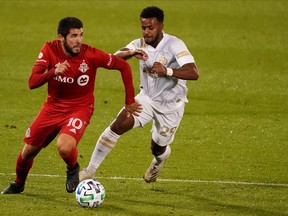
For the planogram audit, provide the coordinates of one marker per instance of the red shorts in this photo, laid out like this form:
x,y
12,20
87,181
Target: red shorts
x,y
50,122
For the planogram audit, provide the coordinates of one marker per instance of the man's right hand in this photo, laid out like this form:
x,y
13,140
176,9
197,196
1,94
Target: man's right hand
x,y
139,54
133,109
61,68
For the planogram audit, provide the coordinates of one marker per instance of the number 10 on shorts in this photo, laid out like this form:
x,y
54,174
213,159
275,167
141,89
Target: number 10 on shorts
x,y
76,123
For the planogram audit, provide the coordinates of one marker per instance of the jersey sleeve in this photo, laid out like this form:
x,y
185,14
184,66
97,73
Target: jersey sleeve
x,y
126,74
133,45
112,62
181,52
39,74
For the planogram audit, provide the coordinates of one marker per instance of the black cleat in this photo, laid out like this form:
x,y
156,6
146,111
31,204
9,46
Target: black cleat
x,y
72,179
14,188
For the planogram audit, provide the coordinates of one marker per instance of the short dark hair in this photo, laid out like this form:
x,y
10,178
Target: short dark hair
x,y
151,12
67,23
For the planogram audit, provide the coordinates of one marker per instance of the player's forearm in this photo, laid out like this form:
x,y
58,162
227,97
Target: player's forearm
x,y
124,53
126,74
39,78
186,72
129,87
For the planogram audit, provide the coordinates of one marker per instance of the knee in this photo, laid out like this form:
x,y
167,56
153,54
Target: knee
x,y
29,152
123,123
118,129
65,146
121,127
64,149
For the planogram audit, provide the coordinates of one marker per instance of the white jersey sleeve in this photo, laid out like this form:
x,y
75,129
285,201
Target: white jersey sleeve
x,y
182,54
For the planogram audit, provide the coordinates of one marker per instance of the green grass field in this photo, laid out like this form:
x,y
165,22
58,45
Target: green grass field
x,y
230,154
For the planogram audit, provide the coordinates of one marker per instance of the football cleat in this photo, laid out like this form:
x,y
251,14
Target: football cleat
x,y
155,168
85,174
72,179
13,188
153,171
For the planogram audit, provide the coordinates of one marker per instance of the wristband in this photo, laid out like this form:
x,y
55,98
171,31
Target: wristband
x,y
169,71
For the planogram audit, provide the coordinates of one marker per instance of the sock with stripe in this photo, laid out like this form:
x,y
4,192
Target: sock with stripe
x,y
104,146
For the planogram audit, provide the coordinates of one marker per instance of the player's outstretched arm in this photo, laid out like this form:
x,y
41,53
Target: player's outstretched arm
x,y
126,53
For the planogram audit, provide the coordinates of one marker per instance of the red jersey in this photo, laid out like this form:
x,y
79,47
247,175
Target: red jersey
x,y
75,87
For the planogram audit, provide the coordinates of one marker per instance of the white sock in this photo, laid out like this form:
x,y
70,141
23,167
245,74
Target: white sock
x,y
163,157
104,145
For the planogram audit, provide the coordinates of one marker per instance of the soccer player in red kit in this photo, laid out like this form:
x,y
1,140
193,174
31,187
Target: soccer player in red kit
x,y
69,67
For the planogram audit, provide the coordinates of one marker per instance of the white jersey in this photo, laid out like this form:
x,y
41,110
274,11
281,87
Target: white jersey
x,y
172,53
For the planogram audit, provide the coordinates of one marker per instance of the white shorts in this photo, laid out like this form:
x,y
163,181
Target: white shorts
x,y
164,125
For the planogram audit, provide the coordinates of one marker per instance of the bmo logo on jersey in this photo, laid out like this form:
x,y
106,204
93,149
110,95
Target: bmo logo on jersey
x,y
81,80
64,79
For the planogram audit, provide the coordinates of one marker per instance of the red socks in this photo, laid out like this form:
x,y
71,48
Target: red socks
x,y
23,166
22,169
71,160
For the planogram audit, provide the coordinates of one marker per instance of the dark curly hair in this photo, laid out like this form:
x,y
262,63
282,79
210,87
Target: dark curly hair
x,y
67,23
152,11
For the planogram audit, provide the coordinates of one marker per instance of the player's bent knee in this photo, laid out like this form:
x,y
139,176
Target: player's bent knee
x,y
65,144
64,150
29,151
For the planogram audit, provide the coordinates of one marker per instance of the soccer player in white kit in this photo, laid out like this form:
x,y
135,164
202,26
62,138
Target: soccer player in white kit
x,y
165,66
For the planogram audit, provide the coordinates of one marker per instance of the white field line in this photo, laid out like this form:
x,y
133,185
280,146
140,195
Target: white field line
x,y
169,180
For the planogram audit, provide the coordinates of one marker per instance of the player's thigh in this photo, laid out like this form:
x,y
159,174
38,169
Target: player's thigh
x,y
147,111
43,129
165,126
75,123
